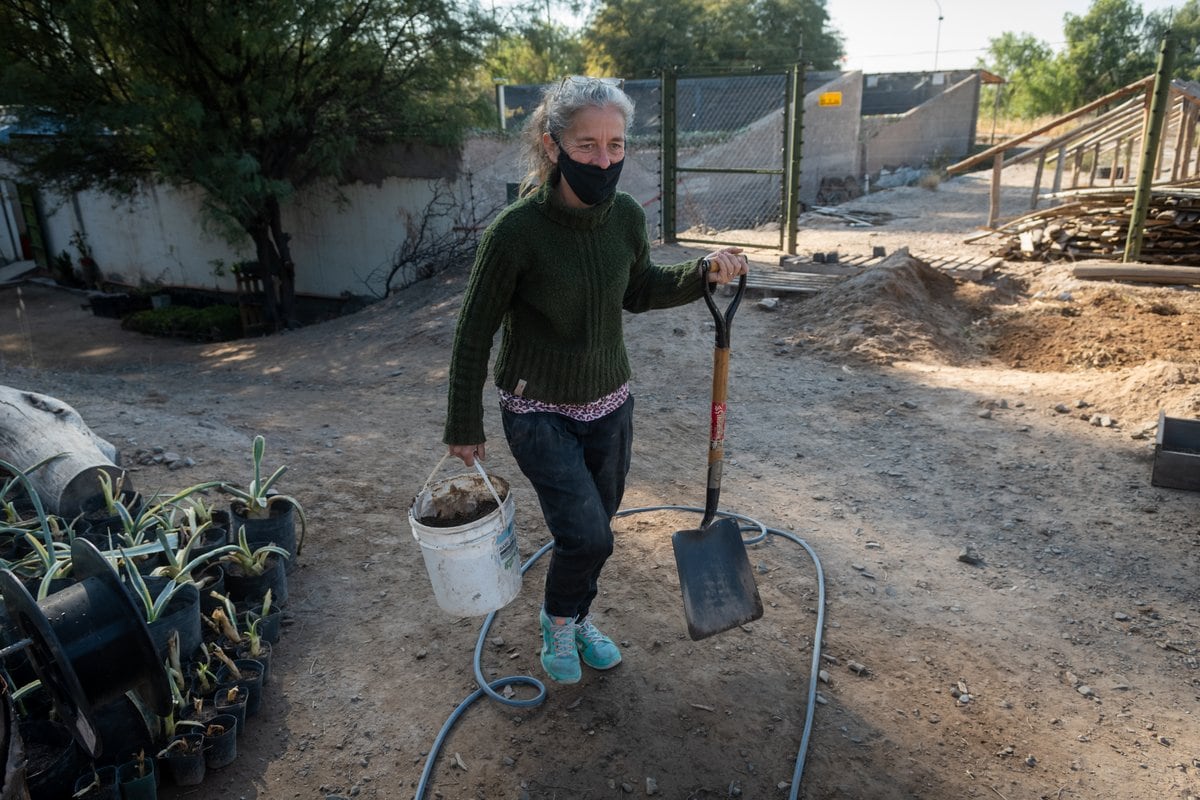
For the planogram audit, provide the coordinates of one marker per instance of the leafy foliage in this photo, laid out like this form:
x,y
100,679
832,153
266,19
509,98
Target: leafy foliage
x,y
248,100
1184,23
1112,45
635,38
216,323
533,50
1105,49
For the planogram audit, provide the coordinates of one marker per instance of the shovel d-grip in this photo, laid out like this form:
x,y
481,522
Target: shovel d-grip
x,y
716,440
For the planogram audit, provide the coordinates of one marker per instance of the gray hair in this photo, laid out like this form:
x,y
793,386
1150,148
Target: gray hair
x,y
560,103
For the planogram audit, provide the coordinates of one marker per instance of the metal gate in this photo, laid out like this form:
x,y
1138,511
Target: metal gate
x,y
731,157
31,211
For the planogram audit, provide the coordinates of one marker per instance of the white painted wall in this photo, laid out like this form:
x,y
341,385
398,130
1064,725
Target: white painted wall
x,y
162,236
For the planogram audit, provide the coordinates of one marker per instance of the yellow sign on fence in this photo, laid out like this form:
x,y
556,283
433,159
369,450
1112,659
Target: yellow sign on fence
x,y
829,99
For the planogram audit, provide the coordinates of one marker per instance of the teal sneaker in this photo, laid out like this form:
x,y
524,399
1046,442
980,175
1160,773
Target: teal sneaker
x,y
596,649
560,659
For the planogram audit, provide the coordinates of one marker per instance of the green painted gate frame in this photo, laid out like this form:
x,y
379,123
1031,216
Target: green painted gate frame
x,y
789,169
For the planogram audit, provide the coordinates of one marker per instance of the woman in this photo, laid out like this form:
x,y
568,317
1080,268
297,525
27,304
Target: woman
x,y
555,270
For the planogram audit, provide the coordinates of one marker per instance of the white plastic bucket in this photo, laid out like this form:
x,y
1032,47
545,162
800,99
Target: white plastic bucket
x,y
474,568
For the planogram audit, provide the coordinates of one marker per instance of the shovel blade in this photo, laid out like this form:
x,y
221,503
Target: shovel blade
x,y
718,585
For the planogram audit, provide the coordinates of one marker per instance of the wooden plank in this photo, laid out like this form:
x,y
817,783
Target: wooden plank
x,y
1100,102
780,281
1037,181
1138,272
1058,169
994,199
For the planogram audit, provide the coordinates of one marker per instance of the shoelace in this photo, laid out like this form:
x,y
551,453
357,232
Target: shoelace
x,y
590,632
564,639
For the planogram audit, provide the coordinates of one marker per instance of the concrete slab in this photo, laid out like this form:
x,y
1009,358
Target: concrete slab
x,y
15,270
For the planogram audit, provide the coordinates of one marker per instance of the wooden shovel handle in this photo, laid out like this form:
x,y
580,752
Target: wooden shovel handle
x,y
720,386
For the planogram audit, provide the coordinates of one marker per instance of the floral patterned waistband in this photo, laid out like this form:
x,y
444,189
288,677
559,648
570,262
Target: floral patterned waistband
x,y
583,412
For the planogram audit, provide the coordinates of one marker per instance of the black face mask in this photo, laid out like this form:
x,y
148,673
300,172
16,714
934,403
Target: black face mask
x,y
590,183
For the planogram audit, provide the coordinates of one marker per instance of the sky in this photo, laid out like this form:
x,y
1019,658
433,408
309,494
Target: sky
x,y
905,36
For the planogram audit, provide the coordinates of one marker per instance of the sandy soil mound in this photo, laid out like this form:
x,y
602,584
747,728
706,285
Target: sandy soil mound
x,y
900,310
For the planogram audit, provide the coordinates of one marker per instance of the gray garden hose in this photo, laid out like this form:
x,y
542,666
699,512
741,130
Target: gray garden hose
x,y
489,688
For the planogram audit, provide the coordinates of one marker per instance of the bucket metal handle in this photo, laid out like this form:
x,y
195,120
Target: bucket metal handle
x,y
486,480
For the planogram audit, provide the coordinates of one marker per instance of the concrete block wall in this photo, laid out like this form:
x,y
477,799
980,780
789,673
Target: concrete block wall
x,y
831,135
942,127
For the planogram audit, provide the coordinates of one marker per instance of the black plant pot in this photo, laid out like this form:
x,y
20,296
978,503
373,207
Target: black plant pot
x,y
181,615
138,780
203,714
12,752
208,580
124,731
17,663
88,644
263,657
252,678
101,522
211,538
241,587
102,782
53,760
220,747
270,627
278,529
233,706
185,762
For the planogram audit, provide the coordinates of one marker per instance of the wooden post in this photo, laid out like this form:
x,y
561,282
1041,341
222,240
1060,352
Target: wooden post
x,y
1095,165
1037,181
1116,163
1153,138
1076,166
1058,168
33,427
1180,130
994,207
1189,141
794,152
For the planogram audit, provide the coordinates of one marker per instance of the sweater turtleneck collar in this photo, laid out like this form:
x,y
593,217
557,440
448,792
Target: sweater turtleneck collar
x,y
546,200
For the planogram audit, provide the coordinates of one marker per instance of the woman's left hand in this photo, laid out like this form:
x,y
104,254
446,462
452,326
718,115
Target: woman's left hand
x,y
726,264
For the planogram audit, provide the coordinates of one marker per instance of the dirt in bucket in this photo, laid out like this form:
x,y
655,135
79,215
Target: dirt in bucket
x,y
460,505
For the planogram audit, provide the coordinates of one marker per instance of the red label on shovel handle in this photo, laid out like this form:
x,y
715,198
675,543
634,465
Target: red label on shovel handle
x,y
717,436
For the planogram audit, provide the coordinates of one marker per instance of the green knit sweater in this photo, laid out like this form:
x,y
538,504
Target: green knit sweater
x,y
556,279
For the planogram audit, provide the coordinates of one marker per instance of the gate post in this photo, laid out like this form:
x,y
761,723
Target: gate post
x,y
794,145
1152,136
669,153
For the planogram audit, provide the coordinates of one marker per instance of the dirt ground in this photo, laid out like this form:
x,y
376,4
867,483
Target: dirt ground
x,y
1011,605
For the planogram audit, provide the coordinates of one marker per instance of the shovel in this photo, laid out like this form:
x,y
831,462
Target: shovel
x,y
718,586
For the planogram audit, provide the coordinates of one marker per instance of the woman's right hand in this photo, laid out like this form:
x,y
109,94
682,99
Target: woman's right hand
x,y
469,452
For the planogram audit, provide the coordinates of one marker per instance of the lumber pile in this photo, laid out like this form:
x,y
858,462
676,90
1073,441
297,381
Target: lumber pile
x,y
1094,224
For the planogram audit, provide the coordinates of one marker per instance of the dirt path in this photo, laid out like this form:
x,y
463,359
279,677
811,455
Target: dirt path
x,y
1010,604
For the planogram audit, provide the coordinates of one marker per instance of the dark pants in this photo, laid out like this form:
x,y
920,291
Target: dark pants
x,y
578,471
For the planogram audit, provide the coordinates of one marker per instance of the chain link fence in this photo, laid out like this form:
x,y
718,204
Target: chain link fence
x,y
729,143
729,134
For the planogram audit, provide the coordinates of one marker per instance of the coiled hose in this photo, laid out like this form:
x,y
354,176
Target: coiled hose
x,y
489,688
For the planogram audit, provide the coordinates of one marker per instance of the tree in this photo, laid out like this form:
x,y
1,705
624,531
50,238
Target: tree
x,y
1184,23
249,100
635,38
1105,49
1033,84
533,50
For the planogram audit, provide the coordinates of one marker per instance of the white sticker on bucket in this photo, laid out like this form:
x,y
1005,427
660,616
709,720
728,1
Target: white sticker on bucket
x,y
506,545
